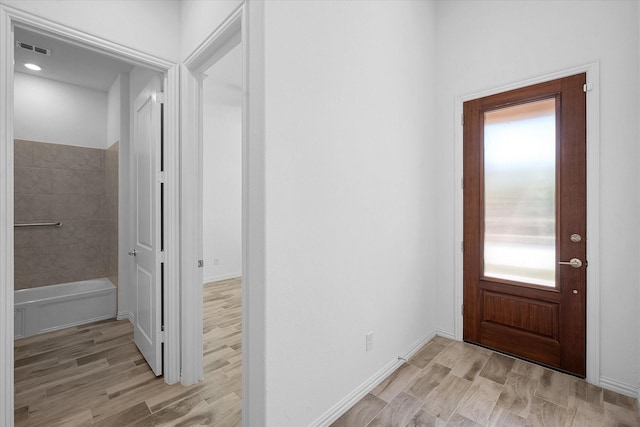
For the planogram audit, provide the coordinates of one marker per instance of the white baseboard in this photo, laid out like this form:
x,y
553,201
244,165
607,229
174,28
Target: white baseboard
x,y
619,387
125,315
220,277
352,398
445,334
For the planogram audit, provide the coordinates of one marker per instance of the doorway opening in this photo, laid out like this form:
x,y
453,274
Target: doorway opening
x,y
76,141
221,199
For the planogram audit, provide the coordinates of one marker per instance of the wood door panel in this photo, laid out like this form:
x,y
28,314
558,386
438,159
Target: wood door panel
x,y
537,317
521,343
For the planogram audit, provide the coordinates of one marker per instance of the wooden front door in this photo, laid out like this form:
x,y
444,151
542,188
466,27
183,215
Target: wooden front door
x,y
525,223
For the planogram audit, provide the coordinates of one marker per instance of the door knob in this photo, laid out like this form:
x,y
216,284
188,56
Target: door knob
x,y
133,253
573,262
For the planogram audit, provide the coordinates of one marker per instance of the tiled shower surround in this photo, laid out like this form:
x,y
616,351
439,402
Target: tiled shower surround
x,y
111,169
55,182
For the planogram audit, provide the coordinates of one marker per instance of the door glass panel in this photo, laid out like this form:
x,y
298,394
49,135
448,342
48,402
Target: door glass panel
x,y
520,193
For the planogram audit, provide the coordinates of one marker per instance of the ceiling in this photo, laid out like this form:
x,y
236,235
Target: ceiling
x,y
67,63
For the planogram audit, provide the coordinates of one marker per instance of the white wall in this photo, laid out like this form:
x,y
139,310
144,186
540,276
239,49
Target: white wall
x,y
151,27
198,20
61,113
487,44
222,169
113,111
350,190
118,130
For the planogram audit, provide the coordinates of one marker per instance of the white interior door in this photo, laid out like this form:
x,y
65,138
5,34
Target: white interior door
x,y
147,176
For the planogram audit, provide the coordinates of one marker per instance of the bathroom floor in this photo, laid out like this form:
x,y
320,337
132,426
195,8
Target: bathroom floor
x,y
94,374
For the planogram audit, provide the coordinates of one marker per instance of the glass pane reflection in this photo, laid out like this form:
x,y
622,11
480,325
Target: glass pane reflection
x,y
519,193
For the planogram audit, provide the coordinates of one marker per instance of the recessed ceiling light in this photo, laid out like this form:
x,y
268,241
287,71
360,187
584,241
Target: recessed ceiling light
x,y
33,67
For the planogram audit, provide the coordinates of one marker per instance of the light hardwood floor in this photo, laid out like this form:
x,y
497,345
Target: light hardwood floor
x,y
94,374
456,384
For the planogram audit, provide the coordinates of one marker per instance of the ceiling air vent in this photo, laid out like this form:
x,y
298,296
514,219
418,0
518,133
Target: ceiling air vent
x,y
33,48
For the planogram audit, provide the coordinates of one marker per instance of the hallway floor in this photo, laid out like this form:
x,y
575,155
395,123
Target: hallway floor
x,y
457,384
94,375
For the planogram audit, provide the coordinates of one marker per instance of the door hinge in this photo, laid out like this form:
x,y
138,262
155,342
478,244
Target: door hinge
x,y
162,336
160,97
587,87
162,257
462,183
462,119
200,263
462,310
161,177
462,246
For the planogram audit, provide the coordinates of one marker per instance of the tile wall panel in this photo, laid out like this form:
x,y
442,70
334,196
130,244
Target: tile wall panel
x,y
55,182
111,167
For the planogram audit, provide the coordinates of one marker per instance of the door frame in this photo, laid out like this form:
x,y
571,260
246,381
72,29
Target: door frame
x,y
246,24
593,204
8,17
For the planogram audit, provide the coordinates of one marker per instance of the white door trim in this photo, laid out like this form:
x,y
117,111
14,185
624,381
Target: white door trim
x,y
246,24
6,220
223,39
10,16
593,204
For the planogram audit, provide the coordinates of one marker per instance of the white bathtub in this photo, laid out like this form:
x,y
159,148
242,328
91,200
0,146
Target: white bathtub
x,y
48,308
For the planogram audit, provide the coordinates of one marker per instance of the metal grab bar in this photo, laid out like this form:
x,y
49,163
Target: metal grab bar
x,y
39,224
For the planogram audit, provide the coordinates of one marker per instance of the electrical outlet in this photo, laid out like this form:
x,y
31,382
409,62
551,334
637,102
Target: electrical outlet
x,y
216,261
369,338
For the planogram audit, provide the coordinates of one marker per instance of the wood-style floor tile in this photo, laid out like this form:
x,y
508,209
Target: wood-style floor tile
x,y
80,419
428,380
94,374
177,413
483,388
396,382
424,419
427,353
517,394
591,394
544,413
479,400
452,355
362,413
619,416
556,387
227,411
528,369
398,412
128,415
497,368
459,421
619,400
470,366
586,415
501,417
445,398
